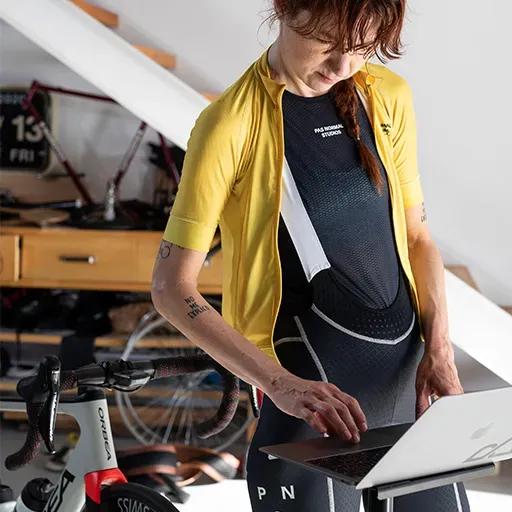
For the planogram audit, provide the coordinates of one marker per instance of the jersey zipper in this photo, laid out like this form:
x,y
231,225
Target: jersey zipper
x,y
278,108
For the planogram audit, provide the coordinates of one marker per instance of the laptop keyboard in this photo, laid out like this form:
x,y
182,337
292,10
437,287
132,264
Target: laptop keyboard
x,y
351,464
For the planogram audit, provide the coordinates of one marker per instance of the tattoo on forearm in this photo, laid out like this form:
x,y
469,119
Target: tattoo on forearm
x,y
423,213
165,249
195,308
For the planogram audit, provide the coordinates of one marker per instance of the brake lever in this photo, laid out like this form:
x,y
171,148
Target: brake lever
x,y
50,367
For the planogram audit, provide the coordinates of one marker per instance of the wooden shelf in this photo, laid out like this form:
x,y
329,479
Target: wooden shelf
x,y
40,339
108,341
108,18
153,414
114,341
65,422
9,386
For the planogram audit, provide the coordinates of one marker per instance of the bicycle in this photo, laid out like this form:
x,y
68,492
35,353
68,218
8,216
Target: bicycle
x,y
91,480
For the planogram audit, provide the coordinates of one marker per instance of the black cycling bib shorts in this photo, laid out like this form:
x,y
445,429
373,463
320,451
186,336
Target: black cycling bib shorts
x,y
346,314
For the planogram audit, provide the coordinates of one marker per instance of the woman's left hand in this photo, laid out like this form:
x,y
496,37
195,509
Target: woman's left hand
x,y
436,375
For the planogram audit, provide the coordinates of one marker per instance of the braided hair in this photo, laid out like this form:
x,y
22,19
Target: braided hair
x,y
347,104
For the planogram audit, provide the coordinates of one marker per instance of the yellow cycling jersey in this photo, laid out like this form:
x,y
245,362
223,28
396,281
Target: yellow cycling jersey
x,y
232,176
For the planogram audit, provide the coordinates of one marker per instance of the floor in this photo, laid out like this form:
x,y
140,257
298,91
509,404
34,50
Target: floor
x,y
232,495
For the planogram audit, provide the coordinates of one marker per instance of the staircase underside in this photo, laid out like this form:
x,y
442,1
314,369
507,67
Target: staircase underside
x,y
110,63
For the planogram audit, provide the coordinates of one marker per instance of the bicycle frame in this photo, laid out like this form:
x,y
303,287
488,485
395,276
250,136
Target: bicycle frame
x,y
28,105
92,464
92,477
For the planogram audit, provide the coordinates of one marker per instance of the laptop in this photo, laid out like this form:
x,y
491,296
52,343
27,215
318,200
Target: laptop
x,y
454,433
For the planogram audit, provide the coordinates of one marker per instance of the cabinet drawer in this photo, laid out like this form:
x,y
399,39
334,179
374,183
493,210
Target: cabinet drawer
x,y
9,258
57,257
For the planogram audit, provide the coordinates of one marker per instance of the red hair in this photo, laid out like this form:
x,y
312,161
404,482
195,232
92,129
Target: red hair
x,y
348,22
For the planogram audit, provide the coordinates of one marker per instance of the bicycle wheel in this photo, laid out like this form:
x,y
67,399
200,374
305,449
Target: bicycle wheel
x,y
129,497
165,411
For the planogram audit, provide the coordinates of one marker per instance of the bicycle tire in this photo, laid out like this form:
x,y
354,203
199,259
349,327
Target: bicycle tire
x,y
133,497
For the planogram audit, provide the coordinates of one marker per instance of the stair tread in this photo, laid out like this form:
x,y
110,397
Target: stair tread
x,y
462,272
210,95
165,59
108,18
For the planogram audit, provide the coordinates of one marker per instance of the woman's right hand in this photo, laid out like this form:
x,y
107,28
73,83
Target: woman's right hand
x,y
322,405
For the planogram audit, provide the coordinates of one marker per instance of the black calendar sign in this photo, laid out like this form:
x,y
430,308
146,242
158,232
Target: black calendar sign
x,y
22,144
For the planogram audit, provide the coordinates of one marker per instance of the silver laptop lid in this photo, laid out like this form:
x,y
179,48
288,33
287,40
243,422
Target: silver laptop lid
x,y
456,431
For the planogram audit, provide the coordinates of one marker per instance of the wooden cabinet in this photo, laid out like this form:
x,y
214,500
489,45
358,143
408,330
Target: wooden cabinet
x,y
9,258
87,259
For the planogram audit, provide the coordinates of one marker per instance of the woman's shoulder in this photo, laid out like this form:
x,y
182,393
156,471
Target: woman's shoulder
x,y
231,106
222,129
390,84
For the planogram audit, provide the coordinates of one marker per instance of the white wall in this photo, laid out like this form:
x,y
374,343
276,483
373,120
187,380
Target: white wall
x,y
456,63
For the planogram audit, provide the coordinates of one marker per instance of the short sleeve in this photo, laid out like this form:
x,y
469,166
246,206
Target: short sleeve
x,y
208,174
404,140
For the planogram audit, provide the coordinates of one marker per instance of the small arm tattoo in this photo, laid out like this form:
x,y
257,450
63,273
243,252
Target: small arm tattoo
x,y
165,249
195,308
423,213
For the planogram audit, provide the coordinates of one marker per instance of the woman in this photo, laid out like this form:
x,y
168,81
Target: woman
x,y
333,293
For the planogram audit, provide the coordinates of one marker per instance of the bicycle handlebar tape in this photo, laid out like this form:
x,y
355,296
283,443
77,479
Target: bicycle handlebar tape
x,y
30,448
171,366
226,411
178,365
